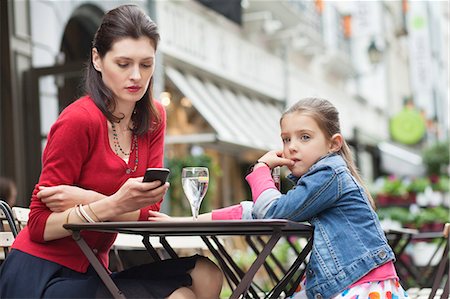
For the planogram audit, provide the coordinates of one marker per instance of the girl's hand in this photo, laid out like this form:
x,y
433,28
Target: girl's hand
x,y
158,216
135,194
63,197
275,158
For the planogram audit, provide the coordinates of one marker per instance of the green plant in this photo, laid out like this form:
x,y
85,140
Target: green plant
x,y
418,185
179,206
442,184
400,214
436,157
393,186
431,215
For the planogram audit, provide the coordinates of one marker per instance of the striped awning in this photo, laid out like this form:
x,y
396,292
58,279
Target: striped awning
x,y
236,117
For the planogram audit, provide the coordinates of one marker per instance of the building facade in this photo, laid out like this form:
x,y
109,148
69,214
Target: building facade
x,y
225,72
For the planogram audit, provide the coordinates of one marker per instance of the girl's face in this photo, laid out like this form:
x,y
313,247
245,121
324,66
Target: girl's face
x,y
127,68
303,142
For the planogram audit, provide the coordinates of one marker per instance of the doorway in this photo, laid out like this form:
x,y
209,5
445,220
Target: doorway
x,y
50,89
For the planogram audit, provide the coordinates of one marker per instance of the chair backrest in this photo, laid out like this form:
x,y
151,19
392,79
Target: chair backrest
x,y
6,240
6,217
21,216
441,278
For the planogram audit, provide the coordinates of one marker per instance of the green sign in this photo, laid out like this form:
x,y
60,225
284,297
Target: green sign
x,y
408,126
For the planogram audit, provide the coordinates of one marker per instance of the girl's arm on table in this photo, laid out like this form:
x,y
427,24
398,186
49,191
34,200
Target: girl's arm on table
x,y
158,216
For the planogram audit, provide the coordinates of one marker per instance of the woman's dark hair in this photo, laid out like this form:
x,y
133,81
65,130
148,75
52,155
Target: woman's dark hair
x,y
327,118
122,22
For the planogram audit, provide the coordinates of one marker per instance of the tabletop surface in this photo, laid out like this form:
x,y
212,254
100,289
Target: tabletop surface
x,y
217,227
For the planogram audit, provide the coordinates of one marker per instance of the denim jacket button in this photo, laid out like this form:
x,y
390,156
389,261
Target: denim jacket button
x,y
310,272
382,254
318,296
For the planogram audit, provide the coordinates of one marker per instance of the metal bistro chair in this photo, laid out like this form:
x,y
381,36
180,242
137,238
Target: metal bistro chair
x,y
8,229
399,239
6,240
432,280
442,275
20,216
7,217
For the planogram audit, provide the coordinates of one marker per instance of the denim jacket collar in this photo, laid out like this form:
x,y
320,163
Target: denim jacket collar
x,y
295,179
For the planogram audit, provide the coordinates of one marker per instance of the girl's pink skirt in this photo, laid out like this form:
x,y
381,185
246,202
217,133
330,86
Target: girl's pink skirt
x,y
386,289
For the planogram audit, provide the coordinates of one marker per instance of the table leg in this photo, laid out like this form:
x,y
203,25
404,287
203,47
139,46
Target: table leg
x,y
269,270
98,267
150,249
168,248
276,291
248,277
231,265
231,278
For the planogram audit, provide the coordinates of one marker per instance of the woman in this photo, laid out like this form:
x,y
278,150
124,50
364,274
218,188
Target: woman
x,y
102,144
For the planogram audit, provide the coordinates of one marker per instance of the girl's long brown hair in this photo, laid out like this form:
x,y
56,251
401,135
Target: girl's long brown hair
x,y
327,117
126,21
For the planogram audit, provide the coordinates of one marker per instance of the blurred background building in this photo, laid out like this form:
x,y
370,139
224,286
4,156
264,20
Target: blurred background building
x,y
226,69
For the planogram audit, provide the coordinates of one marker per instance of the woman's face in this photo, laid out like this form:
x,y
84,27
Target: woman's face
x,y
303,142
127,68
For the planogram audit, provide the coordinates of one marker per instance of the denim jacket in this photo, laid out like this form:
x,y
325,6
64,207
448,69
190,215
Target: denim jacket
x,y
348,239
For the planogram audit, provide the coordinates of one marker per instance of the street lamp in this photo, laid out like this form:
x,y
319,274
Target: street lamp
x,y
375,54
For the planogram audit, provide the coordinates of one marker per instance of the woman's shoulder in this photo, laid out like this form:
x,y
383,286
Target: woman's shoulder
x,y
158,105
81,111
157,127
162,111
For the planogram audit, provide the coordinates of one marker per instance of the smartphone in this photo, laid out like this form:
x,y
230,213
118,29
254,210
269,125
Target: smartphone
x,y
156,174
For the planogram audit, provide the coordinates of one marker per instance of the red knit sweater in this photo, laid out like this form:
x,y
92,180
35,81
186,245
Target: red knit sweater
x,y
78,153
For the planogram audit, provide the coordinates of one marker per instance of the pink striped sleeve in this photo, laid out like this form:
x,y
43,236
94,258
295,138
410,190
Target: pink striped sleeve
x,y
228,213
260,180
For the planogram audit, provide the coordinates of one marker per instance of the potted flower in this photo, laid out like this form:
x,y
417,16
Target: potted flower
x,y
441,184
436,158
432,219
393,192
401,215
417,185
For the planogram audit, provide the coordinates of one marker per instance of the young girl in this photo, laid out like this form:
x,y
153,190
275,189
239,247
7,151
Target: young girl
x,y
350,257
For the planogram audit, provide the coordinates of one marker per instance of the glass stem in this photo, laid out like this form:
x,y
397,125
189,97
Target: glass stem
x,y
194,212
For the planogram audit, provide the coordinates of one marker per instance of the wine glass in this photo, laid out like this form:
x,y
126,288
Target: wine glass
x,y
195,184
